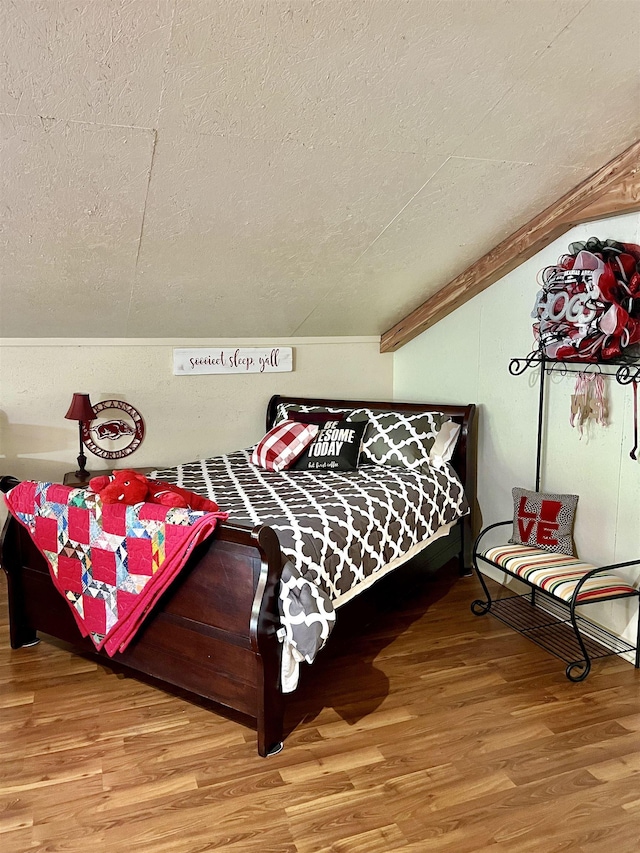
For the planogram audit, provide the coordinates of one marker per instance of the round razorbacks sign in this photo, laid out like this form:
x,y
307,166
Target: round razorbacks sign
x,y
117,433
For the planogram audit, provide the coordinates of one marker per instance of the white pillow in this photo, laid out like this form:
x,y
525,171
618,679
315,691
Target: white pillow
x,y
444,446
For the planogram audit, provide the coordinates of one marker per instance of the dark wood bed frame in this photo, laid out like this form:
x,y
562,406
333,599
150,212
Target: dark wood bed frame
x,y
213,633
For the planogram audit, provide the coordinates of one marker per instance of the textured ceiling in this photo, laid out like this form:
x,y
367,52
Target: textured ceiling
x,y
231,168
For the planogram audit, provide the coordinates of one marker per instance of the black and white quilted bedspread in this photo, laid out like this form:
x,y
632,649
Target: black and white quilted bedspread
x,y
337,530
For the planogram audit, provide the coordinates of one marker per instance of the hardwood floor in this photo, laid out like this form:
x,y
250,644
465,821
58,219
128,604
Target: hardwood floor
x,y
436,731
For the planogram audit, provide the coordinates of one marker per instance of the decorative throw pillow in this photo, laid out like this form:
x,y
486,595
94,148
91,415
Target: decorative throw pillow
x,y
336,447
399,438
282,445
544,520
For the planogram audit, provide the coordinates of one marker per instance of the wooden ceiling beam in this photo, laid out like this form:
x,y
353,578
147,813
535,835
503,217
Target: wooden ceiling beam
x,y
622,197
613,189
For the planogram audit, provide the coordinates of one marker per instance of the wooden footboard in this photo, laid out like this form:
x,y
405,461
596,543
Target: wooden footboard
x,y
212,634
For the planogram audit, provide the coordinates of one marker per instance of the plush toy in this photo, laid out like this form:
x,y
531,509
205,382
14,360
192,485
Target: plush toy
x,y
130,487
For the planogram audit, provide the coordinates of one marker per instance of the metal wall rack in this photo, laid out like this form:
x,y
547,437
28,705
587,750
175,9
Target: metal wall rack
x,y
624,372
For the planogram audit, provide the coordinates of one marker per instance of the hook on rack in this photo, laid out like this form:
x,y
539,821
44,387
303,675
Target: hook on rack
x,y
517,366
628,373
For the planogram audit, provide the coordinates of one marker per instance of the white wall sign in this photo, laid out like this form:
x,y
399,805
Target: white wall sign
x,y
190,362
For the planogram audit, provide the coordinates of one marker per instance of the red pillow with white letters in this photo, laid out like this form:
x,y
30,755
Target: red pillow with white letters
x,y
544,521
282,445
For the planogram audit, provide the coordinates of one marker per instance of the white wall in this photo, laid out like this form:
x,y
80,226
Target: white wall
x,y
465,358
186,417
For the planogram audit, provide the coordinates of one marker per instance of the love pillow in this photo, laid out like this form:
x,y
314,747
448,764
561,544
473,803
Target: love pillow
x,y
544,521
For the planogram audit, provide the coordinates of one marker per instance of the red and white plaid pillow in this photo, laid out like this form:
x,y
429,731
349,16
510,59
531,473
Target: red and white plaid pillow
x,y
282,445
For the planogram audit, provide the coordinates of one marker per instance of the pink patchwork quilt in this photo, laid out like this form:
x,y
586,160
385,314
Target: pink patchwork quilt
x,y
110,562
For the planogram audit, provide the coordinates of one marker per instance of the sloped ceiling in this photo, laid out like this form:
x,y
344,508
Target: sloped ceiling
x,y
231,168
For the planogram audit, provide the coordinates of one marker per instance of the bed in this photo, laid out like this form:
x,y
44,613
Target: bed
x,y
225,630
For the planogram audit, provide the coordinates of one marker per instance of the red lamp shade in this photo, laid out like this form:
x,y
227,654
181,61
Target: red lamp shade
x,y
81,409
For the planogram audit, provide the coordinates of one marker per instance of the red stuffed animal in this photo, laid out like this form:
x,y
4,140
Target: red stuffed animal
x,y
130,487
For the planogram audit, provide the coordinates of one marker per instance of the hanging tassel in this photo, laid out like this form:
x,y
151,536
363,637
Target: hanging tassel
x,y
589,402
598,401
579,408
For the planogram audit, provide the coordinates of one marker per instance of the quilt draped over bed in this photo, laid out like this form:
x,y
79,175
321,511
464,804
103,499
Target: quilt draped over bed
x,y
338,530
110,562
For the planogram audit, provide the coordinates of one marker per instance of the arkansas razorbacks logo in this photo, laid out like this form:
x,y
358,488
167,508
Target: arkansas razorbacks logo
x,y
541,525
114,437
112,429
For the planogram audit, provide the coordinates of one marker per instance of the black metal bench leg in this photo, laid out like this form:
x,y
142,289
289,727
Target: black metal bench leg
x,y
578,670
479,607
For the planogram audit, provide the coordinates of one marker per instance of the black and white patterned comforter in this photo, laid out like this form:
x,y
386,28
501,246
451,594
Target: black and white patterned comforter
x,y
337,529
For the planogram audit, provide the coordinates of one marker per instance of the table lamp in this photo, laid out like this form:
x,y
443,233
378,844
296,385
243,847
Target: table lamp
x,y
81,410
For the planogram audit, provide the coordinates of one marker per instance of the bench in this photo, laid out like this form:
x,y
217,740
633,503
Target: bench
x,y
547,614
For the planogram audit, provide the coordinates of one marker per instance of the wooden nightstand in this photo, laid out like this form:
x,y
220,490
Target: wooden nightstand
x,y
71,479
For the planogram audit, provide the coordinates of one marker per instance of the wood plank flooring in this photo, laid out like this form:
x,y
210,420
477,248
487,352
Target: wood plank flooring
x,y
434,731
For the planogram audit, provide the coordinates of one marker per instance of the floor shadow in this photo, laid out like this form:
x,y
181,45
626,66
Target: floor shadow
x,y
347,676
344,676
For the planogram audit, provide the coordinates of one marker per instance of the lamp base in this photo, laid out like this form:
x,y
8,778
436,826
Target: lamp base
x,y
82,474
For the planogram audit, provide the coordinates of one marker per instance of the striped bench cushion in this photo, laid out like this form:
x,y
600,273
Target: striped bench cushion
x,y
557,574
